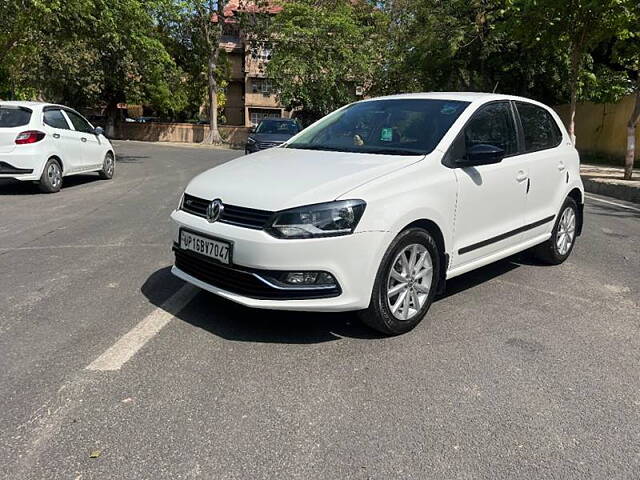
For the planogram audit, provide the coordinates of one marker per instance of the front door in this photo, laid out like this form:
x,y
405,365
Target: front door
x,y
491,198
91,148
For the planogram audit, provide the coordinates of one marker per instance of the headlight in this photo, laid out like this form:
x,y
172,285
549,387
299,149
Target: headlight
x,y
251,140
321,220
181,202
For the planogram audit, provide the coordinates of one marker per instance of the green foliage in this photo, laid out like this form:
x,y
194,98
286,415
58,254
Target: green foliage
x,y
321,51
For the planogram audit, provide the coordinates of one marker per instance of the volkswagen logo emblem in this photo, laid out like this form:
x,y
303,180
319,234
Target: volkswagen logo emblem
x,y
214,210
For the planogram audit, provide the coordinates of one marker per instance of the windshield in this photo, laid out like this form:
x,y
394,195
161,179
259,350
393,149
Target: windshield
x,y
278,127
392,127
14,117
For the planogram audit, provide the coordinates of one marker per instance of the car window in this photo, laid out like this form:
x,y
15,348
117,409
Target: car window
x,y
55,119
540,129
492,125
277,127
392,127
14,117
79,123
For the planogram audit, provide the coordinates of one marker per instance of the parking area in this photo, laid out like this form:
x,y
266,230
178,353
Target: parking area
x,y
113,368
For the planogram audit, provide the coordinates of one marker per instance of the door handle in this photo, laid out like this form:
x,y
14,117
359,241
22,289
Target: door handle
x,y
521,176
56,135
561,166
83,139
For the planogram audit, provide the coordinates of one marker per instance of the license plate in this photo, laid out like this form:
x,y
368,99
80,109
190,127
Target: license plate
x,y
215,249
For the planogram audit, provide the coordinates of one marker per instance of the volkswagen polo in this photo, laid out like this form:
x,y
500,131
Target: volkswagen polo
x,y
375,206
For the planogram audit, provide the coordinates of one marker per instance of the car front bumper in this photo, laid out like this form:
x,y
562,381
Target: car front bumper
x,y
353,261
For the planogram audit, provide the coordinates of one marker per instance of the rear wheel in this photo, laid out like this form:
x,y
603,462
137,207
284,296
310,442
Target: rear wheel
x,y
51,179
558,248
108,167
405,284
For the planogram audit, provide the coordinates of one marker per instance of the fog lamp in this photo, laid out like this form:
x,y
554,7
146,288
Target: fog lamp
x,y
308,278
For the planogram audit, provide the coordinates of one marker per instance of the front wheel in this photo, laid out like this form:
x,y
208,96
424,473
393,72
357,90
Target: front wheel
x,y
558,248
108,167
405,285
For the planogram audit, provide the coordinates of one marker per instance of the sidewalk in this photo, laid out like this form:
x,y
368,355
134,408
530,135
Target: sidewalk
x,y
607,180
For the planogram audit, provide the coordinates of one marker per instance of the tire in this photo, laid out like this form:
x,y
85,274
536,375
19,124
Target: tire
x,y
563,237
387,309
108,167
51,179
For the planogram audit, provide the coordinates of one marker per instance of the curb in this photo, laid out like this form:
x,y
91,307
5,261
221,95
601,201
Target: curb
x,y
621,192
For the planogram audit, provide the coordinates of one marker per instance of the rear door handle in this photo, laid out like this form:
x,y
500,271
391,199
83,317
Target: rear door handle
x,y
83,139
561,166
521,176
56,135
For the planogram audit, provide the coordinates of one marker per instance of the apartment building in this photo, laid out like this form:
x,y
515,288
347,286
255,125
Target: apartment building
x,y
250,95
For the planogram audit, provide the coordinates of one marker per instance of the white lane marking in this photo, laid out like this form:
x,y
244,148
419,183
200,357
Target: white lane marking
x,y
612,203
121,351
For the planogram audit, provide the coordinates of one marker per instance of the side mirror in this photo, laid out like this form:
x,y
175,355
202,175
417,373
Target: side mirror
x,y
481,154
98,131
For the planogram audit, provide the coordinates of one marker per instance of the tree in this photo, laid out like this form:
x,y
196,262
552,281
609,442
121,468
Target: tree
x,y
573,26
321,51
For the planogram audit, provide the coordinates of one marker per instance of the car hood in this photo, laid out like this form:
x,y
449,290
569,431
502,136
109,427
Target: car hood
x,y
281,178
270,137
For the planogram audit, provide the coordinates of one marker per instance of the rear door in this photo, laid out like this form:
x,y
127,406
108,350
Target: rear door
x,y
64,140
490,208
92,156
13,120
544,154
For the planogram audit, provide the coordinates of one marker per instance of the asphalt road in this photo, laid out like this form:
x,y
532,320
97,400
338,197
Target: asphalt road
x,y
519,371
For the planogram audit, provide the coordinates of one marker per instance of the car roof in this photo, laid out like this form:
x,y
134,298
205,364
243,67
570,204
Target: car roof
x,y
29,104
472,97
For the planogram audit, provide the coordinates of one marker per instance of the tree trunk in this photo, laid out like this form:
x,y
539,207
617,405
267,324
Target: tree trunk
x,y
111,112
573,82
213,136
213,44
631,136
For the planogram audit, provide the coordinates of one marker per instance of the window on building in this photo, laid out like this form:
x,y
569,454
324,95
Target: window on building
x,y
256,115
262,85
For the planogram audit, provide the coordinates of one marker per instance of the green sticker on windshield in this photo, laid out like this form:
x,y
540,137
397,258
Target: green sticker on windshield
x,y
386,135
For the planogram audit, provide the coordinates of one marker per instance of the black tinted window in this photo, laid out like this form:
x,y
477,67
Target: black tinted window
x,y
14,117
54,119
79,123
277,127
540,129
492,125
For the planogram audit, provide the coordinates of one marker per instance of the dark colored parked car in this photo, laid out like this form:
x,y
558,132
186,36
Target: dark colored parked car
x,y
271,132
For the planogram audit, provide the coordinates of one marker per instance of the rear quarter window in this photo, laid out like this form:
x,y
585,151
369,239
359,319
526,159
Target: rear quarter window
x,y
540,129
14,117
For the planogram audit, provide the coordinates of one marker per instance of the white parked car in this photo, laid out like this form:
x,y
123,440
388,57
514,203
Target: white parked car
x,y
44,143
373,207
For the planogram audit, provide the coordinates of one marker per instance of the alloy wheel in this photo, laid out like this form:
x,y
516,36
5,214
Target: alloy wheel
x,y
54,174
409,281
566,231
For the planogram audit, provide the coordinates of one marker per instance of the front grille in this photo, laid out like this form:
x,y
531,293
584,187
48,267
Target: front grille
x,y
240,281
265,145
233,215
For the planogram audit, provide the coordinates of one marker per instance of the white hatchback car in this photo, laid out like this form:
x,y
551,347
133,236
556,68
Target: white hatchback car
x,y
43,143
373,207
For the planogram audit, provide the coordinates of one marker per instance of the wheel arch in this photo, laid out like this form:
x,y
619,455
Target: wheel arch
x,y
59,160
576,194
436,232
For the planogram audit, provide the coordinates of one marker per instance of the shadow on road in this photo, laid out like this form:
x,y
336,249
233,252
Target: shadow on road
x,y
15,187
235,322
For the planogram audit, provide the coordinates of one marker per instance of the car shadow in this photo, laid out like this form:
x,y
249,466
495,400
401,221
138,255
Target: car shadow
x,y
130,158
9,186
232,321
